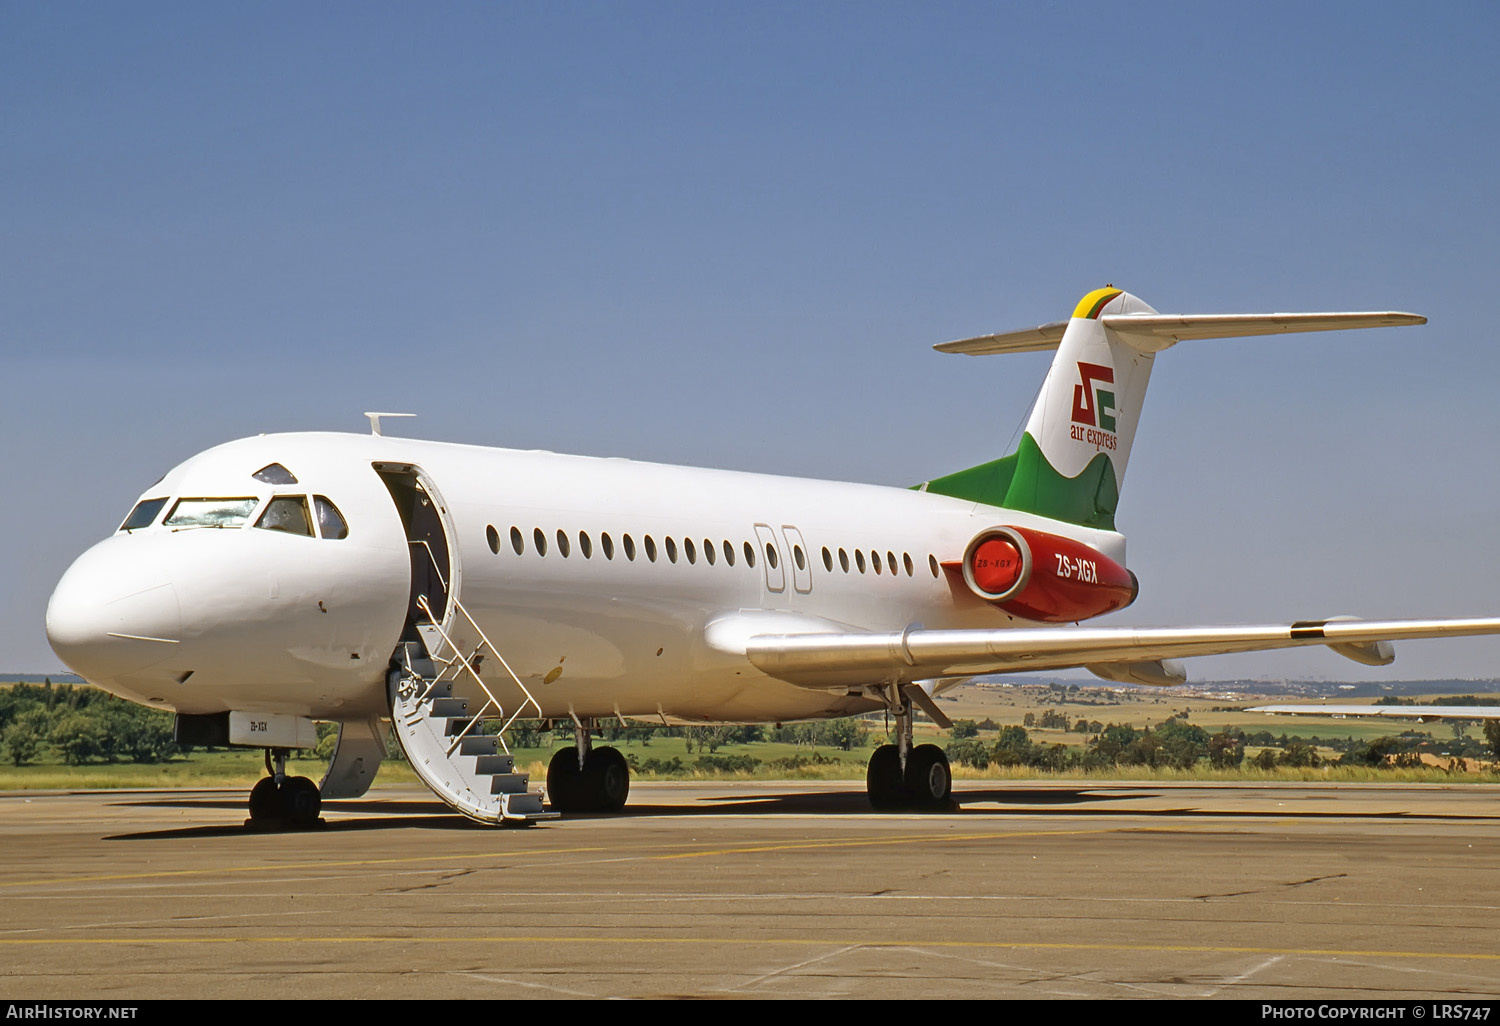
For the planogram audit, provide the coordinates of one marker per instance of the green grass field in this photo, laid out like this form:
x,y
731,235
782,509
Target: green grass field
x,y
1002,705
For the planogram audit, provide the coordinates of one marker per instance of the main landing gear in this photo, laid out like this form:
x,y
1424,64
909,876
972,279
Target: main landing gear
x,y
280,800
901,776
585,778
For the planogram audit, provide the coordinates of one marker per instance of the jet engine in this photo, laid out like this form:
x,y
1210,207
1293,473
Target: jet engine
x,y
1045,577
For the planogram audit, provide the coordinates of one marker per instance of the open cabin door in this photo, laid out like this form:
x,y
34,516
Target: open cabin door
x,y
434,565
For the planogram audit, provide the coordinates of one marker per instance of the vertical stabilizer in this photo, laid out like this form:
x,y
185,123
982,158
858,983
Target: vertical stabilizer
x,y
1071,459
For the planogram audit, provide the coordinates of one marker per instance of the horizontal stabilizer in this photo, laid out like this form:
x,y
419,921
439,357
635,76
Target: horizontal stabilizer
x,y
1167,329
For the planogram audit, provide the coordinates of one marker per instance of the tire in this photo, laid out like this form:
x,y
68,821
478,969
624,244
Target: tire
x,y
300,801
883,778
565,781
929,780
608,779
265,801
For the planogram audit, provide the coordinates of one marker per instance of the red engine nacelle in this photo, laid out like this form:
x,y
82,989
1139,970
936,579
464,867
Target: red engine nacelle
x,y
1044,576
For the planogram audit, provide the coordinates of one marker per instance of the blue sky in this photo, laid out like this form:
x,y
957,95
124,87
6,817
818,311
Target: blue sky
x,y
725,234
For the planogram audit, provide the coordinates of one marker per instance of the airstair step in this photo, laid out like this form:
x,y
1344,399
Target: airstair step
x,y
479,744
494,763
509,783
450,707
526,805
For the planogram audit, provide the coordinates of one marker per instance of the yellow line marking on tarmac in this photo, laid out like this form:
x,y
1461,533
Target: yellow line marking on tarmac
x,y
908,943
281,866
870,841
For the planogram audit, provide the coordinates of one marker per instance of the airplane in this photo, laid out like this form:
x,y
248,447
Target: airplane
x,y
271,582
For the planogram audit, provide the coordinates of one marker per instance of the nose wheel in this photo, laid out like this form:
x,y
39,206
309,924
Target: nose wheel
x,y
280,801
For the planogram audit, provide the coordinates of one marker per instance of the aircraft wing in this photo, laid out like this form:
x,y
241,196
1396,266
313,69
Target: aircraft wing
x,y
829,659
1388,712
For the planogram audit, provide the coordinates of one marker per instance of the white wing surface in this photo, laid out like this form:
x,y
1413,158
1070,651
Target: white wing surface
x,y
837,659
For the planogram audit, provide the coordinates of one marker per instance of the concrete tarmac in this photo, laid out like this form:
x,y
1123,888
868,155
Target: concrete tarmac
x,y
753,889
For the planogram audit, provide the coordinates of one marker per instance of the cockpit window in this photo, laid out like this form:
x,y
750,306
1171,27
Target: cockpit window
x,y
275,474
330,521
211,512
144,514
287,513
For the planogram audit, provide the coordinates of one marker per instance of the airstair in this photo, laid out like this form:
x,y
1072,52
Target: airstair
x,y
452,727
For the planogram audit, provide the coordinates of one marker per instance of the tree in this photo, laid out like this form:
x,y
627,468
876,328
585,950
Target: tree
x,y
78,736
1013,747
1492,736
1225,751
1299,755
964,729
969,752
23,737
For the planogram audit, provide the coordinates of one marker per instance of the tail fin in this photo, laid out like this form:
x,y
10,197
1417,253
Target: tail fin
x,y
1071,459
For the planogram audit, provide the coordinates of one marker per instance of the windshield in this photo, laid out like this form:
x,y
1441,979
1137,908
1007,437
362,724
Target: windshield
x,y
211,512
144,514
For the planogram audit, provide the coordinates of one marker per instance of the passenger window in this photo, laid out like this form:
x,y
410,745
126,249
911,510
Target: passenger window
x,y
562,543
708,551
517,540
630,548
287,513
728,552
749,555
771,555
585,546
933,563
493,537
671,550
650,549
144,514
827,559
540,540
890,562
875,560
275,474
859,559
906,558
799,557
844,559
210,513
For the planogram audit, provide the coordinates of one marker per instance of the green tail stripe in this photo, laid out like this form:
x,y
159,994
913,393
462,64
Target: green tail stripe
x,y
1025,481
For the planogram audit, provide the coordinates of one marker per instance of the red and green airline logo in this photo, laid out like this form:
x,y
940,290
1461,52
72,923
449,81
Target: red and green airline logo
x,y
1093,406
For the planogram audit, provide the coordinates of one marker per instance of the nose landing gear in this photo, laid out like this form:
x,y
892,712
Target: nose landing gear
x,y
278,800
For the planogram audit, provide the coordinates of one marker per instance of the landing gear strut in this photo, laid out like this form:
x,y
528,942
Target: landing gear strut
x,y
587,779
901,776
277,799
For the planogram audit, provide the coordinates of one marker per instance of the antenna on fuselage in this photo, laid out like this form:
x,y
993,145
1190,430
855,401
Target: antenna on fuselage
x,y
375,419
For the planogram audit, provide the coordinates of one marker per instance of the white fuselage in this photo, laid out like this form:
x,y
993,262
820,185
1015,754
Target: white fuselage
x,y
208,619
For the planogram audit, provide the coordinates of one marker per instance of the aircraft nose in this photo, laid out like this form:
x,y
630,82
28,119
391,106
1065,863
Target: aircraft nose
x,y
115,611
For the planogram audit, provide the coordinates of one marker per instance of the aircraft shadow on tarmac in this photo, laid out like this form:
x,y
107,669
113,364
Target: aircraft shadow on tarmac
x,y
388,814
